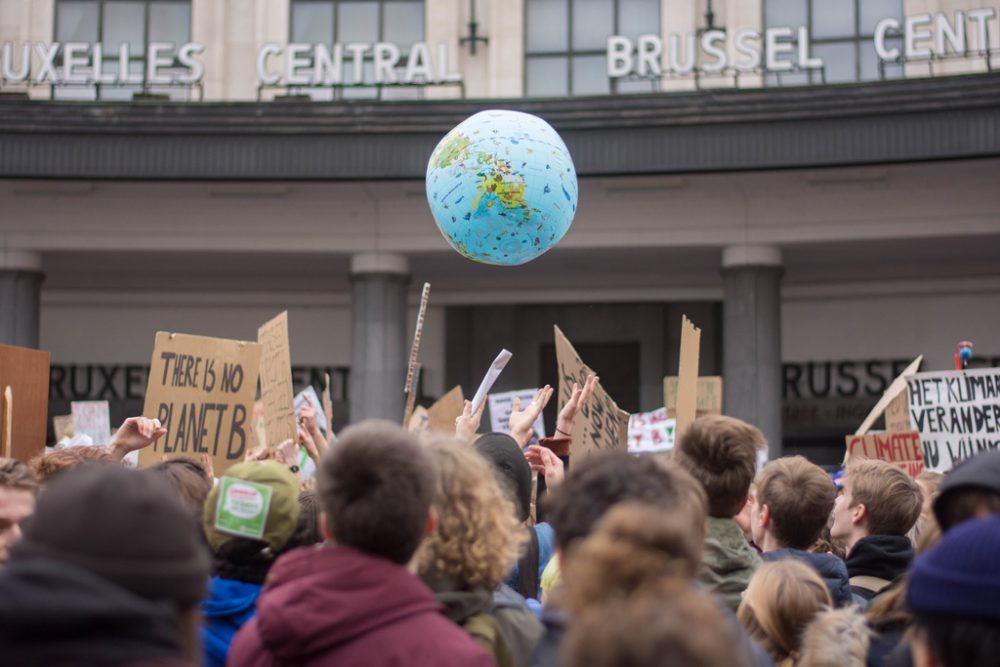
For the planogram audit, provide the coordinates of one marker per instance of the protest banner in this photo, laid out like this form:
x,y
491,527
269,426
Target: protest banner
x,y
26,372
897,414
902,449
92,419
202,391
957,414
895,388
687,374
650,432
419,421
276,381
300,400
600,425
442,415
502,404
709,398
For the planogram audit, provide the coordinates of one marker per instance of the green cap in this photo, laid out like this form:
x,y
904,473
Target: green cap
x,y
256,500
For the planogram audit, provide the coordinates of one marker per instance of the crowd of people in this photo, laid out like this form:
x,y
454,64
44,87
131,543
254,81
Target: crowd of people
x,y
494,549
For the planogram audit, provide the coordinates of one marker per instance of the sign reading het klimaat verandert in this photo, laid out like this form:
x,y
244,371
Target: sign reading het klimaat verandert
x,y
775,49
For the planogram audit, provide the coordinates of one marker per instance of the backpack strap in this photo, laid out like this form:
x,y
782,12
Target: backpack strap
x,y
527,568
874,584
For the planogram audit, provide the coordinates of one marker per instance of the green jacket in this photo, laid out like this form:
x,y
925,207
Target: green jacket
x,y
728,562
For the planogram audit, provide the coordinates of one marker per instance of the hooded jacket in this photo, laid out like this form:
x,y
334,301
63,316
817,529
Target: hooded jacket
x,y
829,567
57,614
229,605
883,556
728,562
334,605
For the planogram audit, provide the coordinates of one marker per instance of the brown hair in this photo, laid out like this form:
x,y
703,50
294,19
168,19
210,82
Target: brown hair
x,y
668,622
783,597
890,496
46,466
188,478
721,453
963,503
800,497
633,544
594,485
376,487
16,475
478,536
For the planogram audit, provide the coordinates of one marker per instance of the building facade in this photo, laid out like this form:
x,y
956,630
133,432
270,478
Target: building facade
x,y
812,183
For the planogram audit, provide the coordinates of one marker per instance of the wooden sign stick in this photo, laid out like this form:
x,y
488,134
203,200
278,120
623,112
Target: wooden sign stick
x,y
8,420
411,370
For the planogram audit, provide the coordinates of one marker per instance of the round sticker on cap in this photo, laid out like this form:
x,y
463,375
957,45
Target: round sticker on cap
x,y
242,507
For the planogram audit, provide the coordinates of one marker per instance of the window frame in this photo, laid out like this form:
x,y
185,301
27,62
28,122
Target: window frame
x,y
570,53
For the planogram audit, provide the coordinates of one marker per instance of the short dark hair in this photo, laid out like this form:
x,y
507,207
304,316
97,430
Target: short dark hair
x,y
957,642
721,453
963,503
593,486
16,475
799,496
188,478
376,487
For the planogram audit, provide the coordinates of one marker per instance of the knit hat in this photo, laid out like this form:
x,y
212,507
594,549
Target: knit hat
x,y
510,466
981,471
124,526
960,577
257,500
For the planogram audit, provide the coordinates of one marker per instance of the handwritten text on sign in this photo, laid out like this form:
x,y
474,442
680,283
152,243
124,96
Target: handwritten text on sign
x,y
900,449
202,391
651,431
957,414
276,381
600,425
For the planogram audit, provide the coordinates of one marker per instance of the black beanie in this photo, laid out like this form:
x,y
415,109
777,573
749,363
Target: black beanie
x,y
510,467
124,526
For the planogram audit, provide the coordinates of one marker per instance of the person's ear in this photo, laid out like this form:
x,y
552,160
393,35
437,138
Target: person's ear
x,y
324,528
765,516
430,525
860,514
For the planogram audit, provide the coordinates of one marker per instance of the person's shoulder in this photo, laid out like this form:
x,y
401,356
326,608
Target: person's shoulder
x,y
430,638
247,648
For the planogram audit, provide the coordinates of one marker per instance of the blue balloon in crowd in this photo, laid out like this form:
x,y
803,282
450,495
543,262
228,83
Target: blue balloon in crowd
x,y
502,187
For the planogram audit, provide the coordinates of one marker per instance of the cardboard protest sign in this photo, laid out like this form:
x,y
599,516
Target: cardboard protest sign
x,y
900,449
419,421
651,432
202,391
897,414
276,381
442,415
92,419
707,402
687,374
502,404
957,414
895,389
6,422
26,372
300,400
600,425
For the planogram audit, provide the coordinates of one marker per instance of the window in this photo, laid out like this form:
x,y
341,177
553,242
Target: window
x,y
842,33
566,44
399,22
112,23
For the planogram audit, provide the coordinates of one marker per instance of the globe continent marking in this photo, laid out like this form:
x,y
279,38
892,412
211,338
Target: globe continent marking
x,y
502,187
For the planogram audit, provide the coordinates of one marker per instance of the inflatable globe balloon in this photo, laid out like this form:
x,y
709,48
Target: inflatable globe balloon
x,y
502,187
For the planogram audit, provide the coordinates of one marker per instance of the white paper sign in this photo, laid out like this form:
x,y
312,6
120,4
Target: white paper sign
x,y
501,406
957,414
651,432
300,400
91,418
491,377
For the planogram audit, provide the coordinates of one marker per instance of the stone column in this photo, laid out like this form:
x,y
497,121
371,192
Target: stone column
x,y
751,338
20,297
379,337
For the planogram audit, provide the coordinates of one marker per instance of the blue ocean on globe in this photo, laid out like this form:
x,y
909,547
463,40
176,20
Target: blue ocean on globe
x,y
502,187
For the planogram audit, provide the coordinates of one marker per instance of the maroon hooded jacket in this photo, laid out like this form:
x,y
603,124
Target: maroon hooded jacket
x,y
337,606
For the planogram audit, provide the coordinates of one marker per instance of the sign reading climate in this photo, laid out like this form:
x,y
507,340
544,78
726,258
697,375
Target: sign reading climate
x,y
777,49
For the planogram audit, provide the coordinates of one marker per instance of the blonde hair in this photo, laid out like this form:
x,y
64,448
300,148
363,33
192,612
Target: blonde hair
x,y
782,599
478,537
634,544
836,638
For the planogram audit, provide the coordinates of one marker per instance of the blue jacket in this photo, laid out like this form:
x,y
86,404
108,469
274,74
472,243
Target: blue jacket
x,y
228,606
829,567
546,547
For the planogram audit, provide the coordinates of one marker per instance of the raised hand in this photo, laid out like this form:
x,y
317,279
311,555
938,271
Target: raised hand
x,y
577,399
288,453
135,433
312,451
521,421
308,423
467,425
544,461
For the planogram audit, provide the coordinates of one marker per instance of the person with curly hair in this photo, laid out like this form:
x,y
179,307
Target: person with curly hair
x,y
18,489
467,557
